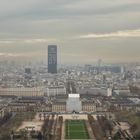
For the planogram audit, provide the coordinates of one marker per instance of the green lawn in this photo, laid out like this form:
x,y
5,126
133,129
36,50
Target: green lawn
x,y
76,129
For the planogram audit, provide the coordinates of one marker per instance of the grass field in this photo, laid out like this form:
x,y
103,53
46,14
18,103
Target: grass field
x,y
76,129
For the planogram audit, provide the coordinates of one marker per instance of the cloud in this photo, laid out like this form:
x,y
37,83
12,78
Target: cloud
x,y
6,41
10,55
28,26
118,34
35,40
22,55
40,40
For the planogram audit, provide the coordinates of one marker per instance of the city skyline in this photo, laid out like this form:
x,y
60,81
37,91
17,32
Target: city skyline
x,y
84,31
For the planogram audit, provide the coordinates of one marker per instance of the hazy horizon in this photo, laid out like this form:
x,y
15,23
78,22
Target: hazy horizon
x,y
84,31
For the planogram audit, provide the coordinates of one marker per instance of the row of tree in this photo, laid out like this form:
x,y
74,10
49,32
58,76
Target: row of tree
x,y
59,129
5,118
47,127
96,128
106,125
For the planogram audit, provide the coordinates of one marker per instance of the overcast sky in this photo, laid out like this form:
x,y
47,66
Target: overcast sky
x,y
84,30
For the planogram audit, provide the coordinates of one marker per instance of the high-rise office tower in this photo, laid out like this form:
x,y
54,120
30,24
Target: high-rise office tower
x,y
28,70
52,59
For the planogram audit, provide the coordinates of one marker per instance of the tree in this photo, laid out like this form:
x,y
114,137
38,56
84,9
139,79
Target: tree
x,y
117,136
134,127
40,136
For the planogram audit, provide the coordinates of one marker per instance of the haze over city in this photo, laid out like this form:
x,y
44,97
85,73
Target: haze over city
x,y
70,70
84,31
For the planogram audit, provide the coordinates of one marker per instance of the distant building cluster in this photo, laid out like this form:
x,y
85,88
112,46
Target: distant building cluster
x,y
48,88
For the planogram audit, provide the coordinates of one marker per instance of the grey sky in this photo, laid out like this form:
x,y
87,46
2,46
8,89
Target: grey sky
x,y
84,30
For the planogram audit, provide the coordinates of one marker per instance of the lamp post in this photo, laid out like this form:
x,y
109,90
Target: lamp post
x,y
12,135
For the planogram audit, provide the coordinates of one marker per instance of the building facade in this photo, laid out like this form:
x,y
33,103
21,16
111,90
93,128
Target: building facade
x,y
22,92
59,107
74,103
55,90
88,106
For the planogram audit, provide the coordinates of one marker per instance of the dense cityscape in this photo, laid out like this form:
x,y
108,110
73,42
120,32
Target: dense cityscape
x,y
39,101
70,70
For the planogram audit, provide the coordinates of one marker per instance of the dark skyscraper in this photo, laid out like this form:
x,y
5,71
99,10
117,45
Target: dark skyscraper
x,y
52,59
28,70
